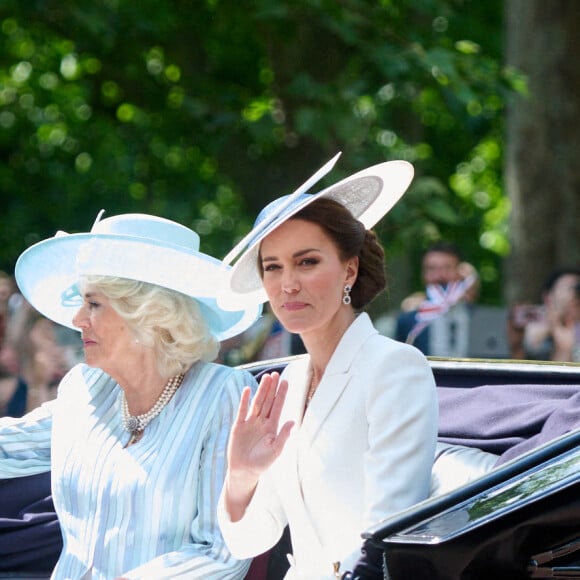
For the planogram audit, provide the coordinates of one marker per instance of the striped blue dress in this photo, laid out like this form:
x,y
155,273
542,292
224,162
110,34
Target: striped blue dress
x,y
143,512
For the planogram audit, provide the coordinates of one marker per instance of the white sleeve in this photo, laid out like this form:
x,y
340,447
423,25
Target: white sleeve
x,y
402,413
262,524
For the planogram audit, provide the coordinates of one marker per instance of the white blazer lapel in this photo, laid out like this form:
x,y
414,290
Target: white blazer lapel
x,y
308,425
336,376
327,394
297,375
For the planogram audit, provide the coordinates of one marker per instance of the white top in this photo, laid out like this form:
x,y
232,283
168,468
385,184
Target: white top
x,y
364,451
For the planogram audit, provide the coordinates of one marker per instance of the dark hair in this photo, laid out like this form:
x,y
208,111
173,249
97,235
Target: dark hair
x,y
556,275
352,239
444,248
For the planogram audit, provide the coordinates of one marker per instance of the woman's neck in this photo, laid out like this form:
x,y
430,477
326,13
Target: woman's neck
x,y
142,384
321,343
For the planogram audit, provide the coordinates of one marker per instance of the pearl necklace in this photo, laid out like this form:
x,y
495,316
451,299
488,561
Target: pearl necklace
x,y
136,424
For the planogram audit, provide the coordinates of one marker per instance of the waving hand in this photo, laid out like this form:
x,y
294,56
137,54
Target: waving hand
x,y
255,441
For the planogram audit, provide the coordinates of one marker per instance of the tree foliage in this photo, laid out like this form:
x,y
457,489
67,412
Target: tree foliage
x,y
203,112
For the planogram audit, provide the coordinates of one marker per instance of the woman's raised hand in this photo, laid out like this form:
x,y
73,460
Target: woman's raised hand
x,y
255,441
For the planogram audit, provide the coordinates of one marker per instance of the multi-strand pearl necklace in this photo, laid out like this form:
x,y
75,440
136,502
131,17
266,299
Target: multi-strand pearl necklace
x,y
136,424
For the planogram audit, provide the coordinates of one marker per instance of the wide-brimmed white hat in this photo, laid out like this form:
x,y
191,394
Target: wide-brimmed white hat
x,y
133,246
368,194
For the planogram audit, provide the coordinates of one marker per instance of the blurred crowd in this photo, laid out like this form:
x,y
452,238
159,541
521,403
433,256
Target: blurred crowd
x,y
446,319
550,330
35,353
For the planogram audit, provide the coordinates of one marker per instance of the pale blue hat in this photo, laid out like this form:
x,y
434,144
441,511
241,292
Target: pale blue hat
x,y
133,246
368,195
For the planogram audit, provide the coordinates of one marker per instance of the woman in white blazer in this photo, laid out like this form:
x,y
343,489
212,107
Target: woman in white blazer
x,y
346,436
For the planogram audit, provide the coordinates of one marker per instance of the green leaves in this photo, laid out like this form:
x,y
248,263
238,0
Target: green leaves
x,y
203,113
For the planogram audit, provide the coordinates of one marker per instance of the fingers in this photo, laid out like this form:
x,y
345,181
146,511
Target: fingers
x,y
268,401
271,395
262,403
243,406
278,401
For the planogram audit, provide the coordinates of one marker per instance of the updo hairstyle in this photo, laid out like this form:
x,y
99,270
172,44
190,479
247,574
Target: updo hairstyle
x,y
351,239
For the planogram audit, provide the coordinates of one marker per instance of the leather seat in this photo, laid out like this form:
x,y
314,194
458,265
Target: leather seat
x,y
456,465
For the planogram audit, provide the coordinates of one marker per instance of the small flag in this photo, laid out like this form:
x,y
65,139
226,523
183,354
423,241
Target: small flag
x,y
440,299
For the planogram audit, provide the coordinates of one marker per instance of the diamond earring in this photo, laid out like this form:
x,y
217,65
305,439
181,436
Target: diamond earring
x,y
346,296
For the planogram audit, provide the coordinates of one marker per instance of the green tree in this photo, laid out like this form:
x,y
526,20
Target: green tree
x,y
203,113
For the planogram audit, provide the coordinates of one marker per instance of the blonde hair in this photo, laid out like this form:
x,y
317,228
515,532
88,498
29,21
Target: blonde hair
x,y
170,322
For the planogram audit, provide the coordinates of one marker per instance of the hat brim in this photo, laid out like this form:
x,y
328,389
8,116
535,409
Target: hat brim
x,y
310,182
48,275
369,195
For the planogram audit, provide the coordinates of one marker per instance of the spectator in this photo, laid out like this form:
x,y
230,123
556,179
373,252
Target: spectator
x,y
437,321
7,289
34,354
12,394
553,334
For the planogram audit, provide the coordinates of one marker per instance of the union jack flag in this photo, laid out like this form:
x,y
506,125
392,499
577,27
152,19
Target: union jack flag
x,y
439,300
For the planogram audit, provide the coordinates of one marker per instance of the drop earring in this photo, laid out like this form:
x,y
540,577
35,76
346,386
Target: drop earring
x,y
346,296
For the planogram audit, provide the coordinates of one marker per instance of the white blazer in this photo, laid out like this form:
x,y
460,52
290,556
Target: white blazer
x,y
363,451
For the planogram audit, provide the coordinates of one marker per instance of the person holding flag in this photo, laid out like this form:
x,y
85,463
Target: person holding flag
x,y
437,322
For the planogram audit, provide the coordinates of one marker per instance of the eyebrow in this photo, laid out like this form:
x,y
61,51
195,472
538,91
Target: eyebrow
x,y
90,294
294,255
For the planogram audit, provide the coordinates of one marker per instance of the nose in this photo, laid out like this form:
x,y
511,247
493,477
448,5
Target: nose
x,y
290,283
80,319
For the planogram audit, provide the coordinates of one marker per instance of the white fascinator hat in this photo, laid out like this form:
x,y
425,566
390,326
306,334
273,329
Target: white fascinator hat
x,y
368,194
133,246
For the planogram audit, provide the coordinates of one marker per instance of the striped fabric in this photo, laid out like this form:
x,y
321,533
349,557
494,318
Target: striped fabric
x,y
148,511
